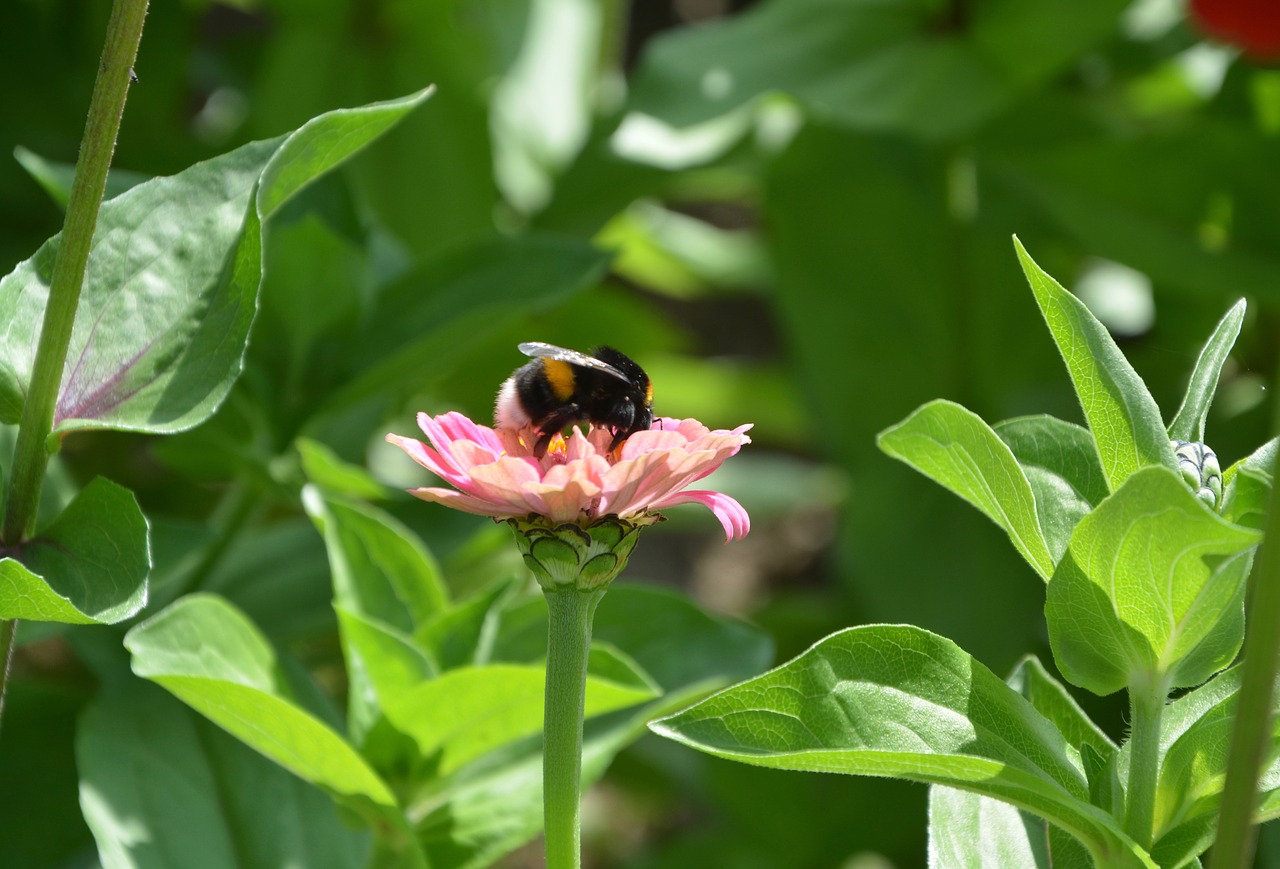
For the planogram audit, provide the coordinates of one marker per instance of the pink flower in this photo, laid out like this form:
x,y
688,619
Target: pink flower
x,y
578,480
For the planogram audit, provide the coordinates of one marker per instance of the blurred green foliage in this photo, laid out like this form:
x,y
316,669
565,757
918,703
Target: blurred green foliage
x,y
796,213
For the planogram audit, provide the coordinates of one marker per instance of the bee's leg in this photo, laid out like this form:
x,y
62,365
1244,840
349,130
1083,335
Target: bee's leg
x,y
554,425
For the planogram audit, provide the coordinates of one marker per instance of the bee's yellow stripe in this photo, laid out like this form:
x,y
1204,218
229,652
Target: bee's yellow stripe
x,y
560,376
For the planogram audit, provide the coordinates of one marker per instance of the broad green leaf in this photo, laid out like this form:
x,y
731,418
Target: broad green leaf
x,y
970,831
207,654
160,787
381,662
326,470
172,280
905,67
839,707
1060,447
1050,698
1135,595
1247,485
380,568
1121,413
469,711
1188,423
89,566
954,447
495,804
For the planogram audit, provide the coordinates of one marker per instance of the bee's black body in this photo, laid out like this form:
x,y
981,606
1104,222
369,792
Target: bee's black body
x,y
561,387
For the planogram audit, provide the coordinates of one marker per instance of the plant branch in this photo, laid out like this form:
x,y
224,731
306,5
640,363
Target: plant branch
x,y
1146,702
31,453
568,643
1251,735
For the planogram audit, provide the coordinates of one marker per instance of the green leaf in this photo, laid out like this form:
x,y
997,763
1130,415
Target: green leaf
x,y
380,568
913,67
1050,698
1121,413
207,654
326,470
56,178
954,447
469,711
1188,423
1059,447
89,566
1151,587
381,663
172,281
970,831
840,707
156,782
1247,486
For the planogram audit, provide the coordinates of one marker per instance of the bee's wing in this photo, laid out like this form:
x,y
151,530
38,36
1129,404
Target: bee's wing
x,y
573,357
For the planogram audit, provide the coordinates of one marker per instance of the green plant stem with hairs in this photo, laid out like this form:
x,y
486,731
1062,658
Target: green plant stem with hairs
x,y
33,449
570,613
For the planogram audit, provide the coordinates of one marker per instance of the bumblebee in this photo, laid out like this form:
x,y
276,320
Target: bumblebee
x,y
561,387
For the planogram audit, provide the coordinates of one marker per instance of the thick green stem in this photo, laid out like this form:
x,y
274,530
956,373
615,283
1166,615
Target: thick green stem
x,y
31,453
568,643
1146,703
1251,735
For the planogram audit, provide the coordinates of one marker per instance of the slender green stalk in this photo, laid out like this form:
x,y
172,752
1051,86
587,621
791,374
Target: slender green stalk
x,y
31,454
1251,735
1146,703
568,643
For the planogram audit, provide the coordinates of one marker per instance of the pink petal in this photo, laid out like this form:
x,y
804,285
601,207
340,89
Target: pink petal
x,y
429,459
466,503
733,518
507,481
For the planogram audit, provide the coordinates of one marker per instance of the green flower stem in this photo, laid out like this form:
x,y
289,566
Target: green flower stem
x,y
31,454
1146,702
1251,735
568,642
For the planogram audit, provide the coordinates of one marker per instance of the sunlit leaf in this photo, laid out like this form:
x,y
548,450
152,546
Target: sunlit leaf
x,y
157,782
1188,423
1152,586
954,447
172,280
207,654
840,706
1121,413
